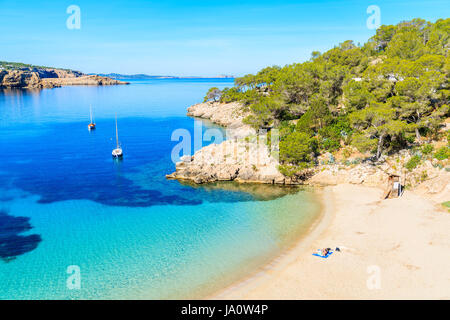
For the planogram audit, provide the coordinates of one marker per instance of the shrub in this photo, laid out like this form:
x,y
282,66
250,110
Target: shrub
x,y
330,144
231,94
304,124
427,149
287,170
213,94
291,170
423,175
297,148
447,205
346,152
442,153
410,138
412,163
333,134
363,143
332,160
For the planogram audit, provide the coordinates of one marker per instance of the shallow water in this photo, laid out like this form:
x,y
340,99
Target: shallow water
x,y
131,232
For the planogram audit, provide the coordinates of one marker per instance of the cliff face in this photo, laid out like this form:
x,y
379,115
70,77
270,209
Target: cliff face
x,y
57,73
19,79
50,78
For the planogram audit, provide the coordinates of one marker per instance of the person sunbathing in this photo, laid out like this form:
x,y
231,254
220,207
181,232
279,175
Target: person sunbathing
x,y
323,253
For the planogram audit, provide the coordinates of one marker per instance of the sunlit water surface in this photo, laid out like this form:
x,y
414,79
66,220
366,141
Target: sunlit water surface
x,y
132,233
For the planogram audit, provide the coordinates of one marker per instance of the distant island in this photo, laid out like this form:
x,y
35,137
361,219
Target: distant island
x,y
147,77
22,75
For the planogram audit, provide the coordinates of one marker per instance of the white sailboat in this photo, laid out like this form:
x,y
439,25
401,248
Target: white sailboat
x,y
117,153
91,126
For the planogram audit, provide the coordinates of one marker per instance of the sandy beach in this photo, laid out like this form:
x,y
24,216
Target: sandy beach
x,y
390,249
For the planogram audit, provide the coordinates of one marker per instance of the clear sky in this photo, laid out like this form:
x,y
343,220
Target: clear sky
x,y
197,37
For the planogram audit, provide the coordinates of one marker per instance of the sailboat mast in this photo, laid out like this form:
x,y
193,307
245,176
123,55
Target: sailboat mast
x,y
91,112
117,134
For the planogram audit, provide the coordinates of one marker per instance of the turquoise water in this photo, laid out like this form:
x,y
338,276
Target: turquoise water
x,y
132,233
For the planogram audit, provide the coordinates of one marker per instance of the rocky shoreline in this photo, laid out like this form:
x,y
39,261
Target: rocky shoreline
x,y
224,114
244,158
33,78
231,160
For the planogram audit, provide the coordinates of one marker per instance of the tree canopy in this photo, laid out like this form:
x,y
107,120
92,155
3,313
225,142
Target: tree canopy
x,y
381,95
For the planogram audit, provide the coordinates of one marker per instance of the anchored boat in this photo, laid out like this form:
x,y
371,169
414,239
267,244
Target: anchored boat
x,y
117,153
91,126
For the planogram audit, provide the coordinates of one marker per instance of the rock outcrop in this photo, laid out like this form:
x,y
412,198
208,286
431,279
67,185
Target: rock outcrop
x,y
437,188
91,80
50,78
224,114
244,157
55,73
229,115
428,175
367,174
20,79
232,160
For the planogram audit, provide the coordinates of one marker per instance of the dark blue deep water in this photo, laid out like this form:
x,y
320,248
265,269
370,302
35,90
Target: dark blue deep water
x,y
56,157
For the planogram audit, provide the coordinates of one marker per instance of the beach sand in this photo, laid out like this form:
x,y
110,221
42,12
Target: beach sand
x,y
391,249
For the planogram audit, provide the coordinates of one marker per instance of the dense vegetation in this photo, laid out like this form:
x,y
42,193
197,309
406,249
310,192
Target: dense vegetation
x,y
388,94
19,65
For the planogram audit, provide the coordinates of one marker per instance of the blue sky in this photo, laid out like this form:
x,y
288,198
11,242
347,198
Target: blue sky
x,y
204,38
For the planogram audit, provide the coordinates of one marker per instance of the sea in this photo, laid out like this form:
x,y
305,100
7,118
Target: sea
x,y
77,224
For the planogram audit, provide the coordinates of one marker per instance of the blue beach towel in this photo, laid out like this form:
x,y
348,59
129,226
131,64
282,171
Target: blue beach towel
x,y
321,256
